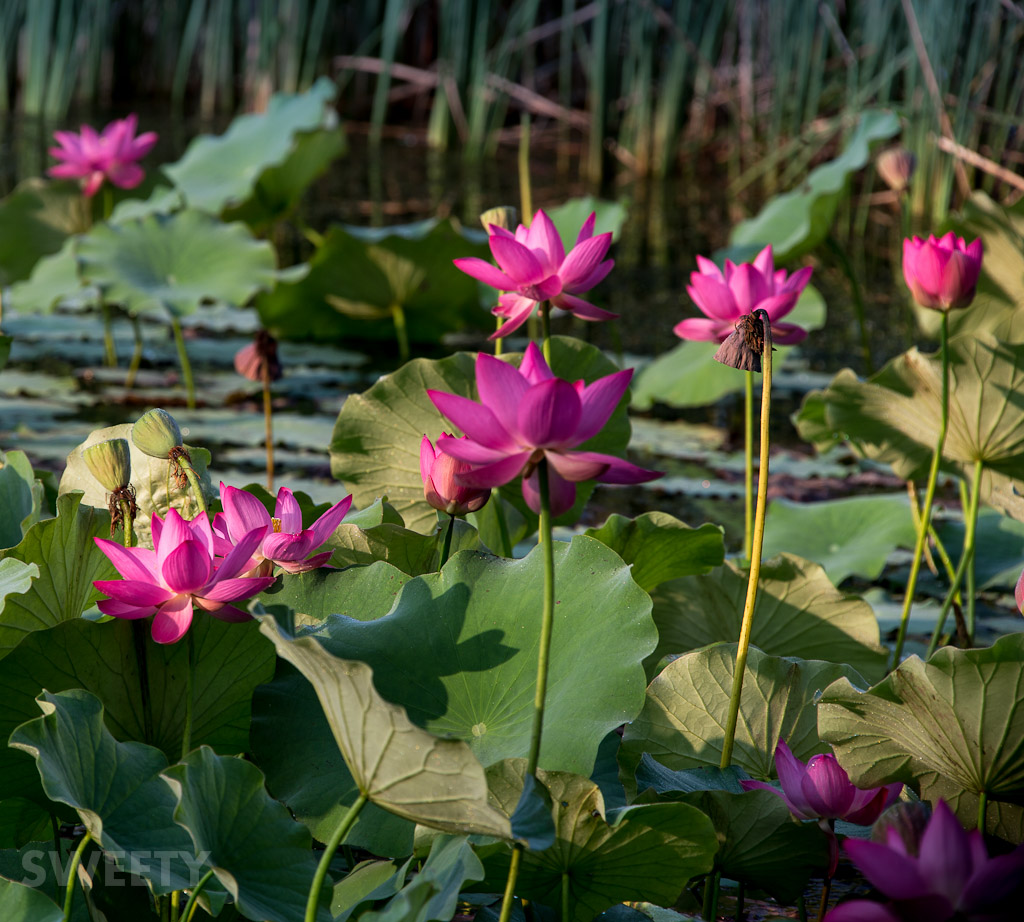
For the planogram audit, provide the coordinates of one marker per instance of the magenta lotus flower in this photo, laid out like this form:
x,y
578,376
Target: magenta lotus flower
x,y
179,573
534,267
93,157
942,273
440,487
286,543
526,415
740,290
951,877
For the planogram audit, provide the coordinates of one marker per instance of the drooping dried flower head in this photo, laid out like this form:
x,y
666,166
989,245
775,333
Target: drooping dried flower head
x,y
896,166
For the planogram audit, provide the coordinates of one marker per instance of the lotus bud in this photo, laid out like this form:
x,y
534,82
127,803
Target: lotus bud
x,y
908,820
896,166
440,482
503,216
110,463
258,357
156,434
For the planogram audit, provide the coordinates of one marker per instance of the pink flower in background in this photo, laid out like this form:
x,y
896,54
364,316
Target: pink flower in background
x,y
950,877
286,543
724,297
533,267
526,415
440,487
942,273
179,573
111,155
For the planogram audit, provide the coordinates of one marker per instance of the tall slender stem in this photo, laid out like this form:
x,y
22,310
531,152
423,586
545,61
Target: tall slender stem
x,y
193,481
127,523
186,365
499,511
710,908
186,736
748,464
755,550
966,560
525,187
193,898
929,497
499,343
446,548
330,847
136,361
543,654
401,331
826,890
268,426
109,348
72,872
545,330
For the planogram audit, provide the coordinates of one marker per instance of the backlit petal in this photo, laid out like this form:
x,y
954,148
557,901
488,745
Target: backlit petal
x,y
549,413
172,620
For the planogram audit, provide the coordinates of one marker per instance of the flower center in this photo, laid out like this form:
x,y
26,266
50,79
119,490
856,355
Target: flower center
x,y
276,525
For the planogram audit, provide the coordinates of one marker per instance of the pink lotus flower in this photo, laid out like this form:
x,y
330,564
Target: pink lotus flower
x,y
110,155
179,573
534,267
440,487
725,297
526,415
287,543
951,877
942,273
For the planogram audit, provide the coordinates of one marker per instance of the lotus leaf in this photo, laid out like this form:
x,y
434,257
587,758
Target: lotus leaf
x,y
21,821
35,220
21,497
54,280
21,903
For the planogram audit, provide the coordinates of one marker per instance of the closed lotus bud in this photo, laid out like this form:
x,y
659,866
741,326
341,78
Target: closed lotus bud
x,y
504,216
440,488
909,820
253,360
896,166
110,463
156,434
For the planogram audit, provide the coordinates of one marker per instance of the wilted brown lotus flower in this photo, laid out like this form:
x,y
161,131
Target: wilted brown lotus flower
x,y
745,345
896,166
260,355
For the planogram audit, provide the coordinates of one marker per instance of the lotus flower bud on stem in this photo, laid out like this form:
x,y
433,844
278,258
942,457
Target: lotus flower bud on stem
x,y
906,819
259,358
156,433
110,463
896,166
503,216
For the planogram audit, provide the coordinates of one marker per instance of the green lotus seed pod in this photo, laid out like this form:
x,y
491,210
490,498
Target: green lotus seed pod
x,y
504,216
155,433
110,462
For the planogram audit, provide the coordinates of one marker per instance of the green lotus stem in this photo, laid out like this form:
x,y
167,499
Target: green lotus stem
x,y
525,187
268,426
175,900
499,511
186,735
72,872
193,482
826,889
982,807
55,829
401,332
139,640
973,504
858,302
748,465
186,365
566,906
710,908
109,347
545,330
965,565
929,497
108,202
446,548
128,525
133,365
193,899
801,908
543,655
746,624
330,847
499,343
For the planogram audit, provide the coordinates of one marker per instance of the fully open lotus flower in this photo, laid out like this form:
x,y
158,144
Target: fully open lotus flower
x,y
286,544
526,415
440,487
534,267
950,877
725,297
942,273
179,573
93,157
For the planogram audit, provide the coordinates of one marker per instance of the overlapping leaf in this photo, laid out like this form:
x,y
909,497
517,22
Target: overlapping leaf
x,y
35,220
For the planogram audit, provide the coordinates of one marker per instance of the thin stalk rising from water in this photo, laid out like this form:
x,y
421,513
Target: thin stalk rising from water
x,y
268,425
748,464
186,365
330,847
76,859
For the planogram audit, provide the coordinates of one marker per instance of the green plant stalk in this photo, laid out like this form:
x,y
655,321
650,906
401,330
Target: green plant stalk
x,y
748,464
193,481
72,871
499,343
543,655
330,847
175,901
268,426
133,365
525,187
193,898
710,908
964,566
801,908
929,497
446,548
401,332
128,532
109,347
186,365
545,330
499,511
826,889
186,735
746,624
55,829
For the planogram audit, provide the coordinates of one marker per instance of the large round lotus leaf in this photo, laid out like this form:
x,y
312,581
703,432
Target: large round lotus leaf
x,y
21,903
231,660
155,487
399,766
54,280
66,560
852,536
683,721
796,222
218,172
645,852
689,376
35,220
459,650
798,612
20,497
21,821
115,788
894,416
173,263
375,448
951,725
355,279
410,551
